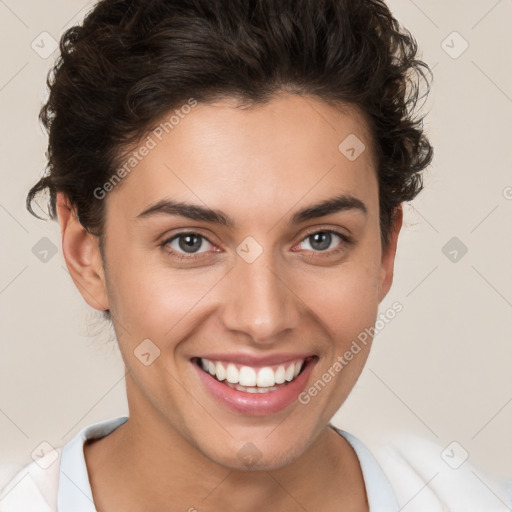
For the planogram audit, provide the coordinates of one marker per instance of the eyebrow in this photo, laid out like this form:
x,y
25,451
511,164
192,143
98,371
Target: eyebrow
x,y
343,202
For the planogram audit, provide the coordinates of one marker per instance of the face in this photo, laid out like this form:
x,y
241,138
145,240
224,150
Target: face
x,y
250,276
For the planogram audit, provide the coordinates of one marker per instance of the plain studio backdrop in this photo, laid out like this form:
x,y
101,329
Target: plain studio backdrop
x,y
440,369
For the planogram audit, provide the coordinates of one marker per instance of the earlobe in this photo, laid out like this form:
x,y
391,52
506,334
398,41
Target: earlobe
x,y
388,254
82,255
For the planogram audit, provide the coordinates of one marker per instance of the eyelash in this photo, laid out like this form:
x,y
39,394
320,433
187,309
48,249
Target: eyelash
x,y
346,240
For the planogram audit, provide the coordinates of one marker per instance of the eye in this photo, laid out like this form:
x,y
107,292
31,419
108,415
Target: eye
x,y
321,241
186,245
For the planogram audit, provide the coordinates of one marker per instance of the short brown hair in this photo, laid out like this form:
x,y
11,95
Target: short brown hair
x,y
131,62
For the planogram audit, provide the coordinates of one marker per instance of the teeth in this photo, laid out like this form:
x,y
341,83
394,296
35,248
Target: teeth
x,y
220,371
232,374
280,375
250,379
290,372
253,389
247,376
266,378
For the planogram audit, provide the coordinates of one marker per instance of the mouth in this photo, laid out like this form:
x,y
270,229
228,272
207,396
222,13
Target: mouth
x,y
255,389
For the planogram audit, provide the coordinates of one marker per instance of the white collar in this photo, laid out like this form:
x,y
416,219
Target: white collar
x,y
74,494
380,494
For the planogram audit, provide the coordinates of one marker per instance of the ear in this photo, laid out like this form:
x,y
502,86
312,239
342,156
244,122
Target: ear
x,y
82,255
388,254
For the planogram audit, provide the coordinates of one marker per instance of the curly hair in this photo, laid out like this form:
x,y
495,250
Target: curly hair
x,y
133,61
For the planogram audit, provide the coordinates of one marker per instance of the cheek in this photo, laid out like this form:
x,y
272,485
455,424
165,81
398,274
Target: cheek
x,y
152,301
346,299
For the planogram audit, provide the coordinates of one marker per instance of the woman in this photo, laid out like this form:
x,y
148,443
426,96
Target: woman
x,y
228,180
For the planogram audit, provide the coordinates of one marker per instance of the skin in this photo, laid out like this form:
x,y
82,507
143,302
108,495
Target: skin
x,y
179,448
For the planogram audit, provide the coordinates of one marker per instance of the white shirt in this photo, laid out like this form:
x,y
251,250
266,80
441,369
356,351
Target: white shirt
x,y
59,480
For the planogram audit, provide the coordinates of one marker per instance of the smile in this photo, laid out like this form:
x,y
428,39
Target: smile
x,y
254,387
250,379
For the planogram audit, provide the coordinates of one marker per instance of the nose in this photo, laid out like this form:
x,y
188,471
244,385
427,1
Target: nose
x,y
260,302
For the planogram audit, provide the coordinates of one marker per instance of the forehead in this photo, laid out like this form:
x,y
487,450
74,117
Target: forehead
x,y
256,161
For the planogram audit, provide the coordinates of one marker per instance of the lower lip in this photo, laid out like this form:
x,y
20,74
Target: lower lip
x,y
256,404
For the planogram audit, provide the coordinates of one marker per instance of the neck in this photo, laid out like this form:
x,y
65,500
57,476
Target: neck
x,y
146,464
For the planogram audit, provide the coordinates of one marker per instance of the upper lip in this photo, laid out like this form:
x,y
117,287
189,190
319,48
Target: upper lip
x,y
257,361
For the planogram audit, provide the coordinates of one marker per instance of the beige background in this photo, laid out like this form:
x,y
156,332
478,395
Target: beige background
x,y
440,369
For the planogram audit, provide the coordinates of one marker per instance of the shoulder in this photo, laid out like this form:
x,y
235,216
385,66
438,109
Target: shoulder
x,y
34,487
58,476
427,477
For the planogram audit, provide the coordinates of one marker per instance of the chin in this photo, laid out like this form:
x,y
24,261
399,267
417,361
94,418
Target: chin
x,y
256,456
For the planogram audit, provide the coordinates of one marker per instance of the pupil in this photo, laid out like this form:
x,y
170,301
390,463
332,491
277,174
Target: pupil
x,y
324,239
192,242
